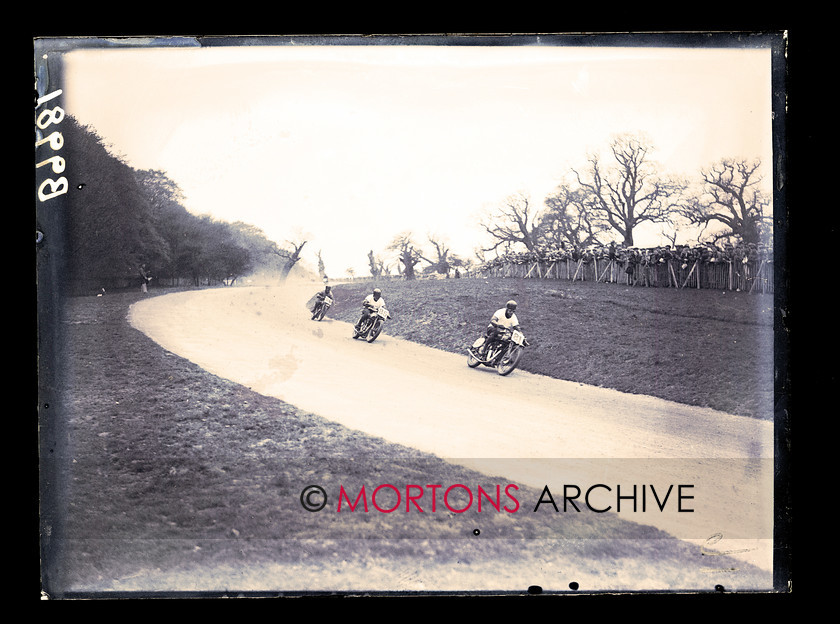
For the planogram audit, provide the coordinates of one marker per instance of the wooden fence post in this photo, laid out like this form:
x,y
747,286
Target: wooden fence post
x,y
580,262
688,277
718,275
757,275
609,265
671,269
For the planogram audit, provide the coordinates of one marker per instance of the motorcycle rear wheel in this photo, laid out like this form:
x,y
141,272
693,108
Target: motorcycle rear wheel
x,y
509,360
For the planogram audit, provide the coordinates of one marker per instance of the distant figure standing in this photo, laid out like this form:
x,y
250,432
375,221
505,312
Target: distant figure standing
x,y
145,277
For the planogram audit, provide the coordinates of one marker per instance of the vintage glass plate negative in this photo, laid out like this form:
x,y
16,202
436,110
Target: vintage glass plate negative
x,y
207,428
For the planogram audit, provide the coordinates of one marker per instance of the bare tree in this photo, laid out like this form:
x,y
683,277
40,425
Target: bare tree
x,y
376,264
631,192
408,254
670,236
514,222
732,196
456,261
322,270
571,220
291,256
444,259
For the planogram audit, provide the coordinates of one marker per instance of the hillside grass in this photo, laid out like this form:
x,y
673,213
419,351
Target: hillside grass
x,y
698,347
152,467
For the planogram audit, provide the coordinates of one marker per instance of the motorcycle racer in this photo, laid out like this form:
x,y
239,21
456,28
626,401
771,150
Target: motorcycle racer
x,y
371,304
322,301
319,297
503,319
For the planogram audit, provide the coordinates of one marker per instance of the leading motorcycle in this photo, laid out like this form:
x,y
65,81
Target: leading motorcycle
x,y
503,353
321,308
371,327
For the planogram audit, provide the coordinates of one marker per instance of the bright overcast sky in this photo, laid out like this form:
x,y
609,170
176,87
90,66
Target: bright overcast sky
x,y
348,146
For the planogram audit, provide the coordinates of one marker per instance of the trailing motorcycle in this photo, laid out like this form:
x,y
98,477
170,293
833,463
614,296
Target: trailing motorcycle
x,y
371,327
321,308
502,353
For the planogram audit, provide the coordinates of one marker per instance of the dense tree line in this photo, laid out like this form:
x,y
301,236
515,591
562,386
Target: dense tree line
x,y
120,219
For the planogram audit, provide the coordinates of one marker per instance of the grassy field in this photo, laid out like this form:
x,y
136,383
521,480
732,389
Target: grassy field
x,y
698,347
158,475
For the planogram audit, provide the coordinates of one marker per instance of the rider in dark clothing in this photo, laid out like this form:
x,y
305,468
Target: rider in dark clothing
x,y
327,292
319,297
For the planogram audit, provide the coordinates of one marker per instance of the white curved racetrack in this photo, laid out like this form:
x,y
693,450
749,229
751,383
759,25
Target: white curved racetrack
x,y
531,429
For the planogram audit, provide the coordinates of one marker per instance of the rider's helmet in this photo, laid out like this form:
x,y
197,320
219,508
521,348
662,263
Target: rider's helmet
x,y
511,305
376,293
327,288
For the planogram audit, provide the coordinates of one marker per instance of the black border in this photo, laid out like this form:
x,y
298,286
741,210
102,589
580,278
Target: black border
x,y
732,36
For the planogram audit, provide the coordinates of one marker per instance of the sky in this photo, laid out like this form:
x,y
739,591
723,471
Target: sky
x,y
349,146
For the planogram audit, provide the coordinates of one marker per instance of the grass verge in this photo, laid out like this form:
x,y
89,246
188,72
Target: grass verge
x,y
698,347
158,476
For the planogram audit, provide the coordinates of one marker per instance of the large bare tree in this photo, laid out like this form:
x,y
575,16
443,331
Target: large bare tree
x,y
376,264
290,255
444,259
407,253
732,196
514,221
571,220
631,191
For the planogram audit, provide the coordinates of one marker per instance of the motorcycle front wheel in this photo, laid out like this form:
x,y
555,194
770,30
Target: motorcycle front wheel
x,y
363,330
509,360
472,361
318,310
374,331
321,313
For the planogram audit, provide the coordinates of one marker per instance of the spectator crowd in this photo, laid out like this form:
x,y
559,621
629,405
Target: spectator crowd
x,y
731,266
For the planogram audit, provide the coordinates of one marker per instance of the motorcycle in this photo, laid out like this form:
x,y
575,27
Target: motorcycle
x,y
321,308
503,353
371,327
